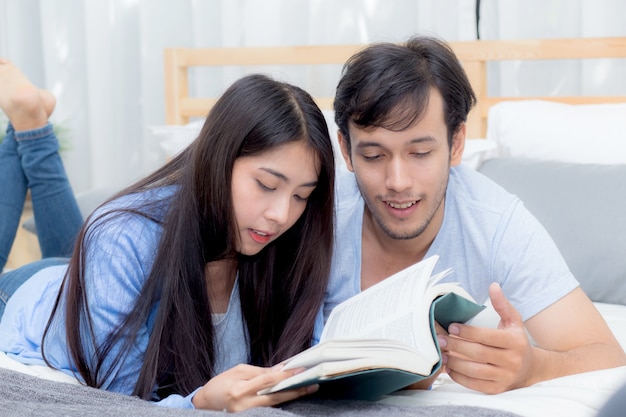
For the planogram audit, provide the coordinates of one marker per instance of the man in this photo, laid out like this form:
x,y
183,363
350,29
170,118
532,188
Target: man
x,y
401,112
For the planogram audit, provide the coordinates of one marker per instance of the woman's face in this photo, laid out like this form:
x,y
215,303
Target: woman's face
x,y
270,192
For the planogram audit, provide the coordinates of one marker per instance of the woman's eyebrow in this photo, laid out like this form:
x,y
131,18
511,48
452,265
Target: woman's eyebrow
x,y
284,178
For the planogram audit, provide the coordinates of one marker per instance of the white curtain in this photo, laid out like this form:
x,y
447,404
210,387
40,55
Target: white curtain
x,y
531,19
103,58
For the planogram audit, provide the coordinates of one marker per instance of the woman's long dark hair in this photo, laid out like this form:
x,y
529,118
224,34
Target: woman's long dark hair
x,y
281,288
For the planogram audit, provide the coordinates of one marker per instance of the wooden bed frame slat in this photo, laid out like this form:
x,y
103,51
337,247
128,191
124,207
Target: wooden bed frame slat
x,y
277,55
578,48
474,56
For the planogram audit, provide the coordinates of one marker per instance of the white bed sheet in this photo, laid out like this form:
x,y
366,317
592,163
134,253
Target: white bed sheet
x,y
580,395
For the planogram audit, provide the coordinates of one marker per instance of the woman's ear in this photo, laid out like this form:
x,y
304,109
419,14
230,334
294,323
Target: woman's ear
x,y
458,145
345,151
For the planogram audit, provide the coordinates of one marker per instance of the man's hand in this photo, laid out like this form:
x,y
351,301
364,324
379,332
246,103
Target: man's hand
x,y
490,360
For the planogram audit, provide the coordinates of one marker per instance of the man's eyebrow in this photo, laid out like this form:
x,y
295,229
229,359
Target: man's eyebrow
x,y
423,139
284,178
368,144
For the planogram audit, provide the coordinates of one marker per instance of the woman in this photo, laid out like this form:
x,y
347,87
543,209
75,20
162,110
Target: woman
x,y
219,258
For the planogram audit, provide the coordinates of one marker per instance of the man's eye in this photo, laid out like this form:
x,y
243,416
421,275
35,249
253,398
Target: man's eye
x,y
371,157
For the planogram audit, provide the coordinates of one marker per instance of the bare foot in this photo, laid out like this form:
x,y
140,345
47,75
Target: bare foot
x,y
26,106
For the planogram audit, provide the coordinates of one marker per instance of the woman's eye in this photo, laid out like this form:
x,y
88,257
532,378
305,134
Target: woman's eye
x,y
300,198
264,187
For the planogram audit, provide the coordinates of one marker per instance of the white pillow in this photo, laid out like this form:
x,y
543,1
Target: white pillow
x,y
478,150
174,138
590,133
329,115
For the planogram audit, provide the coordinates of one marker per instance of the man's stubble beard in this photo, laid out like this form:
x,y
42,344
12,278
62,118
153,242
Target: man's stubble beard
x,y
440,196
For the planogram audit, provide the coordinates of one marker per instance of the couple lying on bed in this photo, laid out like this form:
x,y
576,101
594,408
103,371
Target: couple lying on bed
x,y
190,286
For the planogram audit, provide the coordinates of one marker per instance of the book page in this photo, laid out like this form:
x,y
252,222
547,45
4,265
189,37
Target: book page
x,y
395,308
375,352
386,327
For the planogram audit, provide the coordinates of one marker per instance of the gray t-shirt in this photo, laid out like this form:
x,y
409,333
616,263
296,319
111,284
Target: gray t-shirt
x,y
487,236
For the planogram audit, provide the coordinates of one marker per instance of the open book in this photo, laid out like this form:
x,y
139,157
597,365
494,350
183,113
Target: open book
x,y
383,339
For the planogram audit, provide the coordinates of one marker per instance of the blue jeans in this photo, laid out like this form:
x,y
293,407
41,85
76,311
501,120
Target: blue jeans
x,y
30,160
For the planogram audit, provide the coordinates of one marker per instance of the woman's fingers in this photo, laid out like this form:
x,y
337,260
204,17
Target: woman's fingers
x,y
237,389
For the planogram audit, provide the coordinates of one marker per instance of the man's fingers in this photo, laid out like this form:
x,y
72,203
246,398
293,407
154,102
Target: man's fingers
x,y
509,316
488,386
476,335
477,349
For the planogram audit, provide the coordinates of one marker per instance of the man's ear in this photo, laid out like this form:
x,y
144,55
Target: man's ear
x,y
345,152
458,144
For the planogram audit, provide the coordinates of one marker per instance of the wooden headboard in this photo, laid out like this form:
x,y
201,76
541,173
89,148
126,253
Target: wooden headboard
x,y
475,55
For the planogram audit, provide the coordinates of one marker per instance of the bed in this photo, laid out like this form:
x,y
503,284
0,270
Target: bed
x,y
518,141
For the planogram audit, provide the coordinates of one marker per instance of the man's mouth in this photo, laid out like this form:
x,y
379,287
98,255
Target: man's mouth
x,y
400,206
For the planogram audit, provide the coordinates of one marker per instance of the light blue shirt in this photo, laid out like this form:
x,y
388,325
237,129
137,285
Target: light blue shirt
x,y
487,236
118,262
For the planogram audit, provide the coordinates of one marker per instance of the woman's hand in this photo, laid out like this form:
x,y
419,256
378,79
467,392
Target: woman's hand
x,y
236,389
